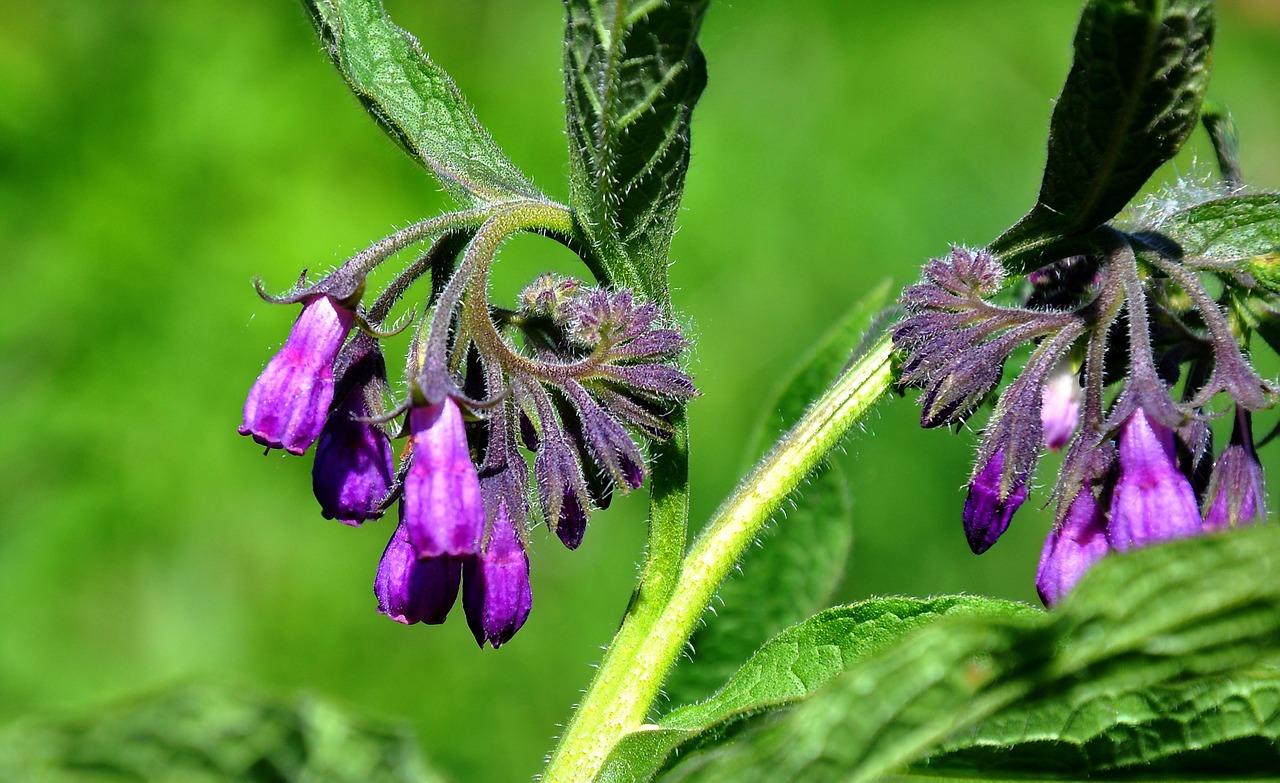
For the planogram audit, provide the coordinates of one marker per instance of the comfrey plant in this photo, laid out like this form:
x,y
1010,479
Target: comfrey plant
x,y
558,377
1123,341
1131,469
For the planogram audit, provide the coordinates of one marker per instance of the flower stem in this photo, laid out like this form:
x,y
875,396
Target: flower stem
x,y
672,597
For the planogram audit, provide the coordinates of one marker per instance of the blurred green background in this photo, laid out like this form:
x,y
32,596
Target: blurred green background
x,y
155,155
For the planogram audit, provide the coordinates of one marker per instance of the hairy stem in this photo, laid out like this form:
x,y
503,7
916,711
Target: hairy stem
x,y
663,617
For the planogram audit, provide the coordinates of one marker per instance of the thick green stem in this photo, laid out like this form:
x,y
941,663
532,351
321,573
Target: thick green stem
x,y
663,617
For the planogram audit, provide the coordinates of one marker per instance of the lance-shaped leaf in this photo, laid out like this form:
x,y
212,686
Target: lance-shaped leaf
x,y
416,102
1131,99
789,667
632,75
801,558
1198,608
1194,730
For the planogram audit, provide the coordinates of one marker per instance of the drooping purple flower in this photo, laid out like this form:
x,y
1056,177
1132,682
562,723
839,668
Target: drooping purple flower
x,y
1236,497
1072,548
286,407
354,466
991,503
1060,406
443,509
412,589
496,593
1152,500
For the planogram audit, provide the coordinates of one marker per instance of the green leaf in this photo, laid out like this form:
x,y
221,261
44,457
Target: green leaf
x,y
1196,608
1226,229
416,102
1217,726
632,76
786,669
1221,128
1130,101
802,555
207,733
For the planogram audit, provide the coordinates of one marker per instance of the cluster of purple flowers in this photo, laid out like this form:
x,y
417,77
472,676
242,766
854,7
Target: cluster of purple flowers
x,y
1133,413
585,363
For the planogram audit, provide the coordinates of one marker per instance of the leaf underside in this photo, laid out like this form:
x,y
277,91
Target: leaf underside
x,y
1131,99
416,102
633,73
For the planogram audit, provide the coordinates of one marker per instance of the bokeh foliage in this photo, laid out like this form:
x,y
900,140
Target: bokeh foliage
x,y
154,156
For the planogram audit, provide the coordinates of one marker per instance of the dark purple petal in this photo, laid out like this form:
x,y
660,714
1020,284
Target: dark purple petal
x,y
989,505
496,596
1072,548
528,432
1152,500
413,590
443,510
354,466
287,406
572,523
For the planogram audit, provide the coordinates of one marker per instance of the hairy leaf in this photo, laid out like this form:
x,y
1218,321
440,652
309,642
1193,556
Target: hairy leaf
x,y
632,76
1131,99
1196,608
1224,229
787,668
212,734
801,558
416,102
1217,726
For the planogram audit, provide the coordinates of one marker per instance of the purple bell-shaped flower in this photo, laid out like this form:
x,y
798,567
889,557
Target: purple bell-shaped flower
x,y
412,589
1072,548
1152,500
288,404
443,508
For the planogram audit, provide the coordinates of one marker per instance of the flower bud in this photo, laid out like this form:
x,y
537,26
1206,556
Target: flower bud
x,y
496,596
287,406
991,504
1236,497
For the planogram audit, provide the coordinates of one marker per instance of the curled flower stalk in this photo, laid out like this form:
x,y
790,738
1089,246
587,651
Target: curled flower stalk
x,y
1131,357
578,376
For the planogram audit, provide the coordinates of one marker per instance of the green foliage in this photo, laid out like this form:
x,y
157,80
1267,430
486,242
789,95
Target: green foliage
x,y
416,102
213,734
1196,608
1200,728
802,555
1228,229
1130,101
633,73
789,667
